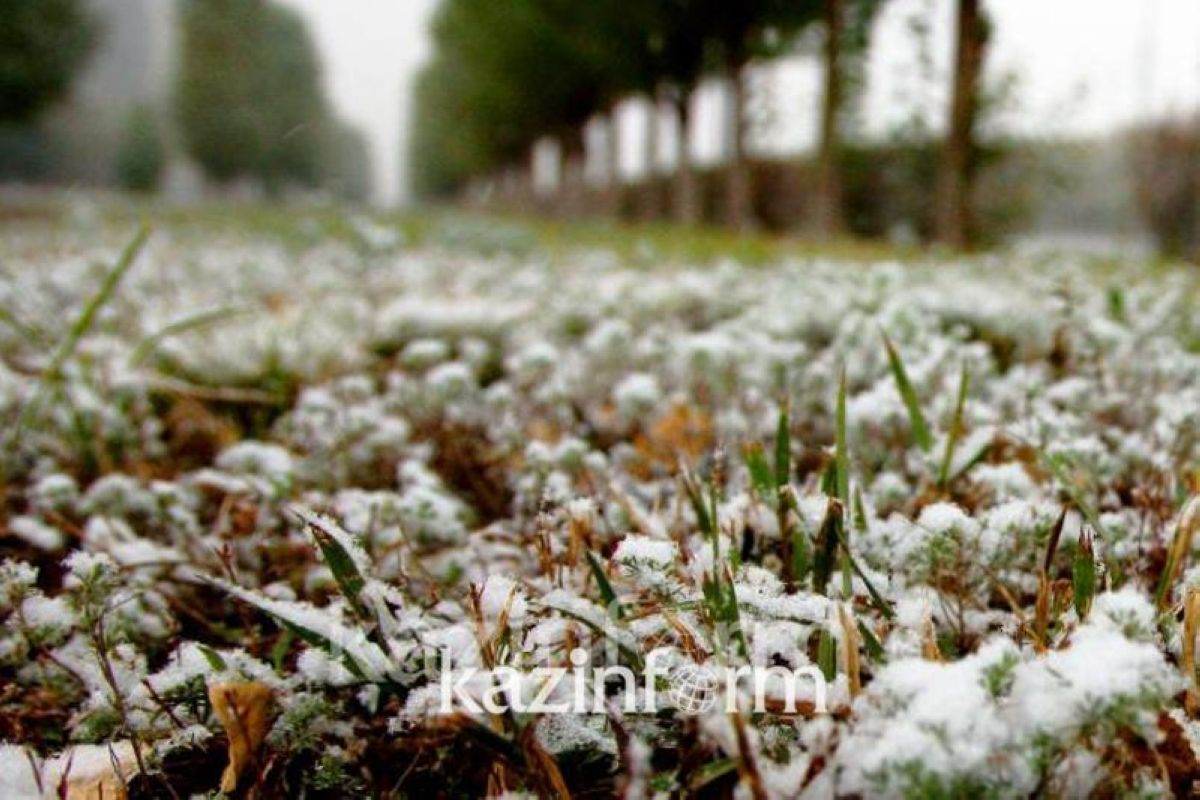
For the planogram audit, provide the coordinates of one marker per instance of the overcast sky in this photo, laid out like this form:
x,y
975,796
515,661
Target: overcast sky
x,y
1081,66
371,49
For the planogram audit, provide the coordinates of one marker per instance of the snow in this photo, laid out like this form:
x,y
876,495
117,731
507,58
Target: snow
x,y
636,394
51,614
979,721
37,533
335,532
82,767
650,552
259,459
502,596
470,428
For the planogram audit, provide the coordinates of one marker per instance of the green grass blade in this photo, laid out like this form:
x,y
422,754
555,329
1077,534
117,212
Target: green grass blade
x,y
801,556
696,498
872,644
878,599
203,319
83,323
829,479
733,615
341,563
859,512
291,620
714,518
783,450
26,332
976,458
1059,467
827,655
916,420
1083,575
91,310
827,546
956,428
841,453
280,649
761,477
607,594
212,657
609,633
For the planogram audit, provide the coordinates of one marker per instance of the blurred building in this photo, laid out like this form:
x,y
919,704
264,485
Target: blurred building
x,y
132,66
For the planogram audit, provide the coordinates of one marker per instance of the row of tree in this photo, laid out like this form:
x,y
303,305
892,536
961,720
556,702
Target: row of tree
x,y
506,75
247,103
249,99
42,47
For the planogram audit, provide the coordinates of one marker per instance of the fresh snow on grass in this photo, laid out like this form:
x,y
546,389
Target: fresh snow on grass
x,y
311,466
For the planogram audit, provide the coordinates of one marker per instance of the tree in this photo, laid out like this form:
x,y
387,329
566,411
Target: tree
x,y
294,110
345,161
504,75
847,25
828,214
249,97
435,154
682,41
678,39
43,44
142,153
217,107
1166,183
953,212
739,32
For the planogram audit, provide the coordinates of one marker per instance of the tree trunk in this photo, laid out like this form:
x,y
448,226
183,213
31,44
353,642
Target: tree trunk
x,y
686,200
612,187
827,216
570,178
650,140
648,204
954,224
739,198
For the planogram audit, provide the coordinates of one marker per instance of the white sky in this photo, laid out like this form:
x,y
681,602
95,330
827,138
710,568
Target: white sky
x,y
371,49
1081,66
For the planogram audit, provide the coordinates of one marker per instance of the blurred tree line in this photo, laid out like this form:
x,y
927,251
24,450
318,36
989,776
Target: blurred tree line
x,y
507,76
42,46
246,106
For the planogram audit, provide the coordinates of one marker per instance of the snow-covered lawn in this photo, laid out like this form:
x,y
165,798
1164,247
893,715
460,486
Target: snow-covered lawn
x,y
248,494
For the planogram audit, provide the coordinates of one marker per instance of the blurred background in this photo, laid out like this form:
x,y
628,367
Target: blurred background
x,y
971,123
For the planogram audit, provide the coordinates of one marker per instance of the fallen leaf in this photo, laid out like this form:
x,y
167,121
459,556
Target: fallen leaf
x,y
245,711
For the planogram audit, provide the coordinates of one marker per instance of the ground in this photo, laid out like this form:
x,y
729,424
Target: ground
x,y
274,478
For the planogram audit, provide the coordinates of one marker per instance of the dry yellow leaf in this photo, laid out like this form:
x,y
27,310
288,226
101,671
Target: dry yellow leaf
x,y
929,644
683,434
852,664
1187,660
245,711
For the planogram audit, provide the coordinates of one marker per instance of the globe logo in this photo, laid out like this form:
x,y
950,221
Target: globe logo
x,y
693,689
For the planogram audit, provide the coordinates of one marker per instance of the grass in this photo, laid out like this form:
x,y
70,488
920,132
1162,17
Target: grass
x,y
303,225
802,516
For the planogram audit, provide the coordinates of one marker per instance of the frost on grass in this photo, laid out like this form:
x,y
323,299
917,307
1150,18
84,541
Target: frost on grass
x,y
392,466
989,723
